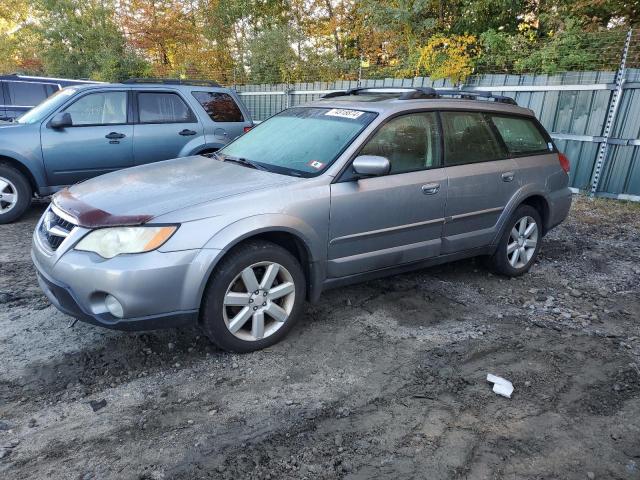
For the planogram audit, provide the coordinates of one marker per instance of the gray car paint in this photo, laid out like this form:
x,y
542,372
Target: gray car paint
x,y
347,230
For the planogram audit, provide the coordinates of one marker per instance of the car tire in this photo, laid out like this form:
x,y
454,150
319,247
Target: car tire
x,y
15,194
242,312
518,246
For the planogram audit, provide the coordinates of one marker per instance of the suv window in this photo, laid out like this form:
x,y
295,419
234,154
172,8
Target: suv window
x,y
410,142
520,135
102,108
163,107
469,138
219,106
28,94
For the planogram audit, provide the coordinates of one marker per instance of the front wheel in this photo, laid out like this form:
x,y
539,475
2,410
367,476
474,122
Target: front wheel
x,y
15,194
520,243
254,297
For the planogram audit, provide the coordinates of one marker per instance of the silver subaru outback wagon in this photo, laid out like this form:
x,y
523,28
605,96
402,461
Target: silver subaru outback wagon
x,y
358,185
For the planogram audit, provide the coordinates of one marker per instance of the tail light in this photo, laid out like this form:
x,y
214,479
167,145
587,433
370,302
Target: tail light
x,y
564,162
246,129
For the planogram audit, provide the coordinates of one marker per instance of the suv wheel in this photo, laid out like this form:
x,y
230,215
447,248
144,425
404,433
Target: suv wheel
x,y
15,194
254,297
520,242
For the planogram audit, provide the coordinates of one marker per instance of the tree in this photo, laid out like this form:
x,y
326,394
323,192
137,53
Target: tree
x,y
449,57
80,39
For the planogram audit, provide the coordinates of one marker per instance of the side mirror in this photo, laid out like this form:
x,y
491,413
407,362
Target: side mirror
x,y
61,120
371,165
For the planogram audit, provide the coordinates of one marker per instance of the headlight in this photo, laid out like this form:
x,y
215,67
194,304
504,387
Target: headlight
x,y
109,242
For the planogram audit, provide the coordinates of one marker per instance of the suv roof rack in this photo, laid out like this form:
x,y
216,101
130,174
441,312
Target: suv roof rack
x,y
414,93
173,81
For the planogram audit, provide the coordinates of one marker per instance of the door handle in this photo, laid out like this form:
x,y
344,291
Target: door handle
x,y
508,176
115,136
431,188
186,132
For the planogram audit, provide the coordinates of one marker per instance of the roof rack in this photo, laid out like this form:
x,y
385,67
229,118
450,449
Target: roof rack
x,y
414,93
173,81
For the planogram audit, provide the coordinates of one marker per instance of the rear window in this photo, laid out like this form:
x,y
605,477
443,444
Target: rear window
x,y
520,135
163,108
28,94
219,106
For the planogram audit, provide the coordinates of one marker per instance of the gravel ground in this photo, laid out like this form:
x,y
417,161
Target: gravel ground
x,y
384,379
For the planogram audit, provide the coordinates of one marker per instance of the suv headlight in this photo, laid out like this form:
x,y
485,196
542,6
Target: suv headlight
x,y
113,241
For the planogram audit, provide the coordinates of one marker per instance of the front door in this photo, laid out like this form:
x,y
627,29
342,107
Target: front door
x,y
481,180
397,218
99,141
166,127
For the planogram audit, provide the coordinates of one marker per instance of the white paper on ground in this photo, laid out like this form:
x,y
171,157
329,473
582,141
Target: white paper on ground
x,y
500,385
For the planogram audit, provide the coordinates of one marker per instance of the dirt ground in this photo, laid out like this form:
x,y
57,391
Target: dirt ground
x,y
384,379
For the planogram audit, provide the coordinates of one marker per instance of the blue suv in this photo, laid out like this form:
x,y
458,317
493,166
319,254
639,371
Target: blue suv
x,y
84,131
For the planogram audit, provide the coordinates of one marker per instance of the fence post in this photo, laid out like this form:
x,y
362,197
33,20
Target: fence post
x,y
610,122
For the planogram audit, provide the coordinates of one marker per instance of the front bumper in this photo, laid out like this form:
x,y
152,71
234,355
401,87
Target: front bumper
x,y
156,289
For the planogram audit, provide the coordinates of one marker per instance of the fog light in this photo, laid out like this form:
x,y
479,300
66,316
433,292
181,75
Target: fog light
x,y
114,306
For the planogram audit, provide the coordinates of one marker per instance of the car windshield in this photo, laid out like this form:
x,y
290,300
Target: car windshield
x,y
45,107
300,141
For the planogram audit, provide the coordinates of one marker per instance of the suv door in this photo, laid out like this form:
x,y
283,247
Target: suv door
x,y
397,218
3,102
227,120
165,127
99,141
482,179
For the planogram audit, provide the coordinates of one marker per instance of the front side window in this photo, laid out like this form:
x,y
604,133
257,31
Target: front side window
x,y
102,108
520,135
410,142
219,106
163,107
469,138
300,141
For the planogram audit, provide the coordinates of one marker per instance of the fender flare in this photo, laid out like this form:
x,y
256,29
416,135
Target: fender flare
x,y
239,231
36,178
522,194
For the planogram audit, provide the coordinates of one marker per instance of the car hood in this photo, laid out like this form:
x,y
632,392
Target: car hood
x,y
137,195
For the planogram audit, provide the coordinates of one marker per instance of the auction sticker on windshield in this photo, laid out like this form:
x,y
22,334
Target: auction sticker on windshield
x,y
344,113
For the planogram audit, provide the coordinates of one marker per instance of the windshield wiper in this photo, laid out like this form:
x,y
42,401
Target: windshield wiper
x,y
244,162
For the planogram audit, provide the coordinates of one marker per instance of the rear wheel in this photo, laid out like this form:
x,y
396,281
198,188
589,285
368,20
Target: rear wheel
x,y
520,242
15,194
254,297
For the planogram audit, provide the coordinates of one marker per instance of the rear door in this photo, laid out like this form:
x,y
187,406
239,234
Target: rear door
x,y
165,127
397,218
100,140
227,121
482,179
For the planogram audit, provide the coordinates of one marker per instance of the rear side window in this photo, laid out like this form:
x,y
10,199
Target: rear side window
x,y
469,138
520,135
27,94
163,107
219,106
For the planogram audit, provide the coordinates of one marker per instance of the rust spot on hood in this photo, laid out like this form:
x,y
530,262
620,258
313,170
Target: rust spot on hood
x,y
92,217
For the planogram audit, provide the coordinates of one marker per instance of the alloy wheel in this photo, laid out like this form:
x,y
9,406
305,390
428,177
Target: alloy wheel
x,y
523,240
8,195
258,301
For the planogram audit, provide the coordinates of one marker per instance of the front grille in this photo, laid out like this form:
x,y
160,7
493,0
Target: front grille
x,y
54,229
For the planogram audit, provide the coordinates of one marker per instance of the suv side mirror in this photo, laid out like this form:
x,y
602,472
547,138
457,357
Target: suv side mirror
x,y
371,165
61,120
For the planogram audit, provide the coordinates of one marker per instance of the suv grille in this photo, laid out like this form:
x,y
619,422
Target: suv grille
x,y
54,229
